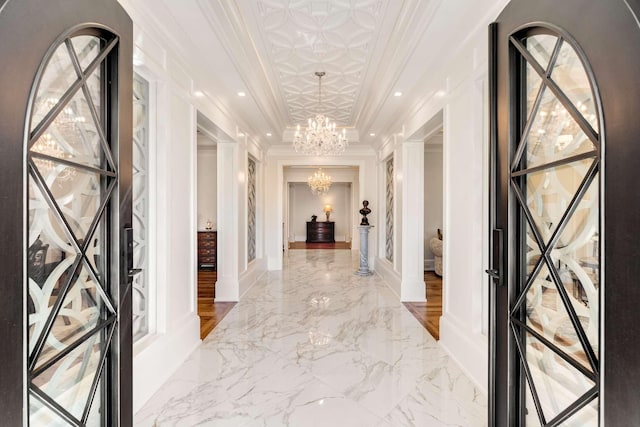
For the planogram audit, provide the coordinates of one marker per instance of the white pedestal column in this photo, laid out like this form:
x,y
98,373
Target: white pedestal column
x,y
364,251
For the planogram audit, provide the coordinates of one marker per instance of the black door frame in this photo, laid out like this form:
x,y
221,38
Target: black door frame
x,y
609,34
28,28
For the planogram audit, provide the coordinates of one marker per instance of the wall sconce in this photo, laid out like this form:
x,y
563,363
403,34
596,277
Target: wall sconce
x,y
327,210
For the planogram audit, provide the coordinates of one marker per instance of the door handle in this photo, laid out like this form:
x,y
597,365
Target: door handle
x,y
127,256
496,273
134,271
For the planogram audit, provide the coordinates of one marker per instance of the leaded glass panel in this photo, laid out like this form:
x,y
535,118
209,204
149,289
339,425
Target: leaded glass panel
x,y
389,210
140,286
251,210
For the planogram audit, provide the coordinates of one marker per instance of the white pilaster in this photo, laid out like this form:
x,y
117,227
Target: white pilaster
x,y
412,287
227,285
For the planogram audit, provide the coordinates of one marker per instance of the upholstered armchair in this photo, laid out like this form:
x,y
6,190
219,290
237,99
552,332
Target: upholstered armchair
x,y
436,247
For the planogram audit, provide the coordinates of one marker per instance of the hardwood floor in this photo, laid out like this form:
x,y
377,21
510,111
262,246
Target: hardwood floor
x,y
429,313
304,245
210,313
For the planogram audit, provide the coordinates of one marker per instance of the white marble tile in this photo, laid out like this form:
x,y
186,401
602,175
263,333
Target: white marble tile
x,y
319,405
444,396
315,345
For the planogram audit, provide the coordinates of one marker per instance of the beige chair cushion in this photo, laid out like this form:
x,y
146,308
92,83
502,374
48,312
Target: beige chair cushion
x,y
436,246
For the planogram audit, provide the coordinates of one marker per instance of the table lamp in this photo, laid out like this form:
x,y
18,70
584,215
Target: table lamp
x,y
328,209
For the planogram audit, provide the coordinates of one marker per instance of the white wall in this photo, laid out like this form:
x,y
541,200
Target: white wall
x,y
173,75
303,203
458,87
433,197
207,186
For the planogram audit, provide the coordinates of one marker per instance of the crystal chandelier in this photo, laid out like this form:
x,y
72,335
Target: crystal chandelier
x,y
320,138
319,182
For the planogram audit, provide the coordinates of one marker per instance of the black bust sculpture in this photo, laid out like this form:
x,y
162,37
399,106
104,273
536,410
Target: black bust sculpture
x,y
364,212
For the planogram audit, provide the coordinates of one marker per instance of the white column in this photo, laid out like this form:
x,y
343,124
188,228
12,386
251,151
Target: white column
x,y
227,285
412,287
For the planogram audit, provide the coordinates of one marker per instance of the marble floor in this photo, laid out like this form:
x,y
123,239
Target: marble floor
x,y
315,345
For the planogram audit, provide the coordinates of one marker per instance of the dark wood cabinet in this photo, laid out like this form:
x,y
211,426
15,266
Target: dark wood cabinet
x,y
207,250
320,232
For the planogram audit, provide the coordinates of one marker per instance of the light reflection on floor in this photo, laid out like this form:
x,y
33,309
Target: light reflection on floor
x,y
315,345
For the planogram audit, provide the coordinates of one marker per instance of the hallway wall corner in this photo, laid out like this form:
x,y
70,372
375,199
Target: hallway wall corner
x,y
151,371
469,351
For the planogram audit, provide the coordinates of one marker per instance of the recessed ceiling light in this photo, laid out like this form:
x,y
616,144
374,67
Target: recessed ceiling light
x,y
240,134
397,93
372,134
198,93
269,133
242,94
440,93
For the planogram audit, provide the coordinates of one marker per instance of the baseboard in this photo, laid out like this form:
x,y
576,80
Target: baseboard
x,y
227,290
413,291
470,352
385,270
337,238
161,357
254,271
429,265
274,263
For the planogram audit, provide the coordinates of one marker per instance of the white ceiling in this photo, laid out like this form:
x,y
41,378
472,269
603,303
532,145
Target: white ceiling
x,y
270,49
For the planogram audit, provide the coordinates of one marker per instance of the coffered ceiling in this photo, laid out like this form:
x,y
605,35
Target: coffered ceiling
x,y
369,49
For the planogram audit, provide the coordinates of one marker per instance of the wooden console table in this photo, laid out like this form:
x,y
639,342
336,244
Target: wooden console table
x,y
321,232
207,250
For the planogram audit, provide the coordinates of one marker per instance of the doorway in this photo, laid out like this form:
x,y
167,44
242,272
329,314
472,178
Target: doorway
x,y
555,332
209,311
433,230
319,219
207,166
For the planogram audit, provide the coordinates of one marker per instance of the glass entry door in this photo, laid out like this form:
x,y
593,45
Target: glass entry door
x,y
564,131
65,145
72,175
555,181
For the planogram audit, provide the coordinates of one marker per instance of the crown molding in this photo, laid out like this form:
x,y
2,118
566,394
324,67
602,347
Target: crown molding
x,y
433,98
227,23
414,19
286,150
159,23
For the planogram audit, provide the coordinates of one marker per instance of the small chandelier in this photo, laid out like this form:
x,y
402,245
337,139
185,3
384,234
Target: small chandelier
x,y
319,182
320,138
